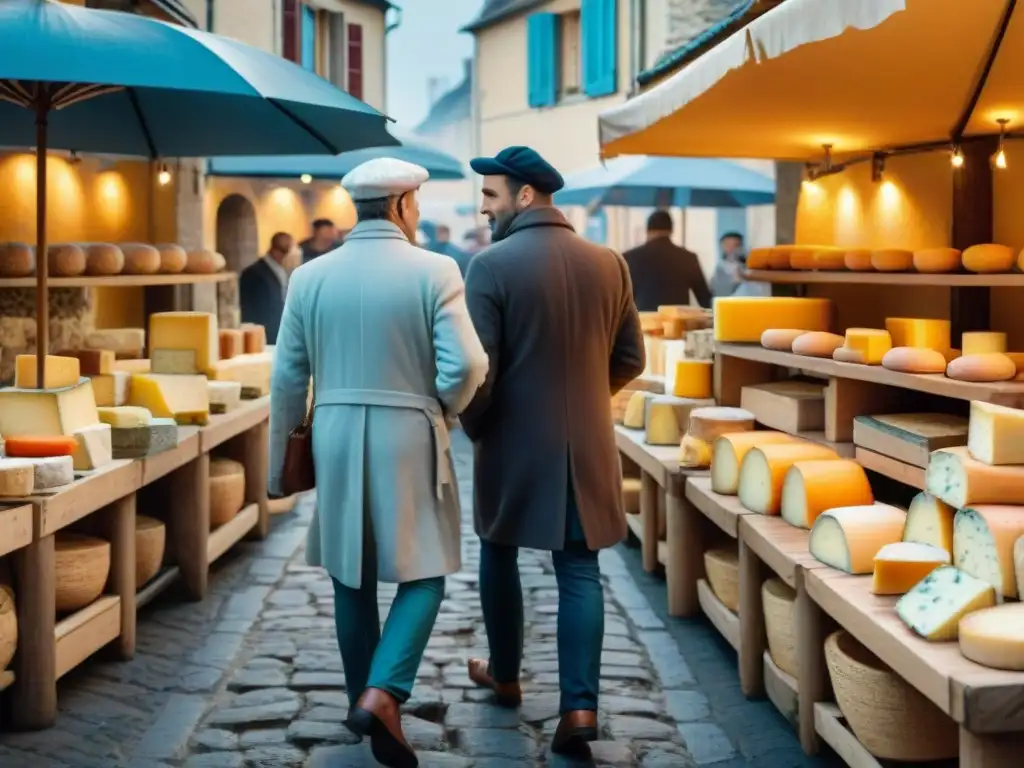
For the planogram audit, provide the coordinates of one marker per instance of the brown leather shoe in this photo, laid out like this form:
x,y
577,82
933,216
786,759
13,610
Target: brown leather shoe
x,y
377,715
505,694
574,731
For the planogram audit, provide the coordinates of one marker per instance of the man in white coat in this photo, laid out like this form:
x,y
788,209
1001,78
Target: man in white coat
x,y
382,327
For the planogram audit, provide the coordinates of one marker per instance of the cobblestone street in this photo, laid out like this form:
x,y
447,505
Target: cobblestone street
x,y
252,677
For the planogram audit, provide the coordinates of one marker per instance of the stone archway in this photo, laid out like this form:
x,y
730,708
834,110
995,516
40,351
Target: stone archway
x,y
238,241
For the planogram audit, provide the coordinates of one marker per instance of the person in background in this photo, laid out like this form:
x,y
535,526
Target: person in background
x,y
325,238
556,316
663,272
728,277
263,285
382,327
442,243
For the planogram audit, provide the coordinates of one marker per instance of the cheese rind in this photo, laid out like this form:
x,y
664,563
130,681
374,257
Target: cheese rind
x,y
111,389
764,469
934,606
892,260
728,452
930,521
93,449
983,539
811,487
744,319
914,360
994,637
917,332
902,564
780,338
995,434
667,418
139,442
47,411
38,447
125,416
173,333
817,344
52,472
984,368
858,260
182,398
60,372
960,480
848,538
17,477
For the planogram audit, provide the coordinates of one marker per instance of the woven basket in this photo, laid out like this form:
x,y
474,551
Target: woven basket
x,y
227,490
8,627
631,495
723,569
82,568
150,541
778,599
889,717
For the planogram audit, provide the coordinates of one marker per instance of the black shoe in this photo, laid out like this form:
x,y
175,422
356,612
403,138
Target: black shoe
x,y
575,731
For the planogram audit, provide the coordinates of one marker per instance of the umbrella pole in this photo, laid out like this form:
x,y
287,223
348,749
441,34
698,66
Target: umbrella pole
x,y
42,261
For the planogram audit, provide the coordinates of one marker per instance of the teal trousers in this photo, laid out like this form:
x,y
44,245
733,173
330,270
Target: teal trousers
x,y
385,660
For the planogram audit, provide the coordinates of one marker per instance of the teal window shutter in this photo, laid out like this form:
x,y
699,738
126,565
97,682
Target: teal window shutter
x,y
309,38
598,22
541,59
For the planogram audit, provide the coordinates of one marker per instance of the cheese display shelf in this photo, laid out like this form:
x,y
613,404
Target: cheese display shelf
x,y
954,280
119,281
15,527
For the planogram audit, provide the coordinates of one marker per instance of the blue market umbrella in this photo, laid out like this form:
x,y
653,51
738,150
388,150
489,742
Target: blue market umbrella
x,y
441,166
648,182
109,82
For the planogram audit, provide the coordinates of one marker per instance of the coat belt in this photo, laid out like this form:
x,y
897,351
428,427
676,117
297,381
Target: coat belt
x,y
381,398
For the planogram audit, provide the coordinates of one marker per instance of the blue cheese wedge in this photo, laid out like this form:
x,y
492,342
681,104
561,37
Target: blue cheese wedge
x,y
933,608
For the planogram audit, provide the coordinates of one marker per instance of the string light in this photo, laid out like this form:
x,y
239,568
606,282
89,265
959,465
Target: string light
x,y
163,177
305,178
957,158
999,158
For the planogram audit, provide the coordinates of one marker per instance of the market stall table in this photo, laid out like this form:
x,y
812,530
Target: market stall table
x,y
15,533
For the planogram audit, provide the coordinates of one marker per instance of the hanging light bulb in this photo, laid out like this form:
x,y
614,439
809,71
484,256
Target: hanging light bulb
x,y
957,158
999,158
305,178
163,176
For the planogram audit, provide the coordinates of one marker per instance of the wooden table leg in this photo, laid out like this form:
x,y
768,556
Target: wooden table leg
x,y
121,530
189,523
254,450
991,750
649,490
753,640
34,695
685,555
812,682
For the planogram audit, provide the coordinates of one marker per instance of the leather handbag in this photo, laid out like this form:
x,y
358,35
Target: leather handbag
x,y
299,473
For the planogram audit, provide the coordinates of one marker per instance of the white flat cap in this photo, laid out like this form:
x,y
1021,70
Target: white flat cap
x,y
383,176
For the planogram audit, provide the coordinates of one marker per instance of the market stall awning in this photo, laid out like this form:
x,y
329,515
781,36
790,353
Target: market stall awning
x,y
861,76
441,165
647,182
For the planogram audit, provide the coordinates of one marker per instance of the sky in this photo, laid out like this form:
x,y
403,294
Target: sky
x,y
427,44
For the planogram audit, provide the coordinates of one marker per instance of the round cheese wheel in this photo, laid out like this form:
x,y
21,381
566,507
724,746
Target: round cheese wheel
x,y
988,258
994,637
65,260
778,257
914,360
780,338
858,260
172,258
994,366
17,260
846,355
937,260
817,344
201,263
830,259
219,262
982,342
103,259
759,258
892,260
140,259
802,257
712,422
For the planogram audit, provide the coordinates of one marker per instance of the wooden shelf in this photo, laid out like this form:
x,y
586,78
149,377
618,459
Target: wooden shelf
x,y
636,525
226,536
725,621
163,463
1004,393
226,426
781,688
83,633
723,511
779,545
15,528
152,588
659,461
831,726
951,279
892,468
117,281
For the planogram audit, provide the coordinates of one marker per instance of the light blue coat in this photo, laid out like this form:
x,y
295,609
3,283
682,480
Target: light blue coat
x,y
382,327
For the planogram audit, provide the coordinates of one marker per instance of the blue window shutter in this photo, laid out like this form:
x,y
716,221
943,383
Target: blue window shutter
x,y
541,59
599,25
308,38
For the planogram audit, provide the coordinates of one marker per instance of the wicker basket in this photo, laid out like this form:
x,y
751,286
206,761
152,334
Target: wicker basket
x,y
227,490
778,599
8,627
150,541
723,569
889,717
82,568
631,495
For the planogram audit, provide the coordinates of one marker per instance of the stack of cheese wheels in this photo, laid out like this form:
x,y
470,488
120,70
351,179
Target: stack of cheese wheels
x,y
81,568
17,260
227,490
764,468
706,425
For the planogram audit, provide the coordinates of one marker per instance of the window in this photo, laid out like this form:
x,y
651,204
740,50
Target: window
x,y
570,56
541,63
598,23
290,30
308,38
354,57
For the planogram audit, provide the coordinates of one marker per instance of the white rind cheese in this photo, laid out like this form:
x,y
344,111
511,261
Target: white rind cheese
x,y
994,637
983,542
960,480
935,605
225,396
848,538
94,448
17,477
52,472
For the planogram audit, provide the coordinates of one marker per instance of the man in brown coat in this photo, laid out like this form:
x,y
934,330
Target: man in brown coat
x,y
556,316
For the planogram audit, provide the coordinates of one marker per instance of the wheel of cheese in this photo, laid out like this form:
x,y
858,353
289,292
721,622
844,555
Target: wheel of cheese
x,y
710,423
172,258
846,355
780,338
201,263
219,262
994,637
937,260
892,260
994,366
802,257
17,260
227,490
764,468
778,257
65,260
723,571
988,258
858,260
848,538
140,259
914,360
150,541
759,258
81,566
728,452
830,259
982,342
103,259
811,487
983,540
817,344
38,447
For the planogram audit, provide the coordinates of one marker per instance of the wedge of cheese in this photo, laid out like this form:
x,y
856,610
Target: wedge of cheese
x,y
123,342
47,411
636,409
17,477
934,606
930,521
868,344
764,468
92,362
848,538
958,479
183,398
224,395
139,442
994,637
60,372
252,371
52,472
744,319
111,389
983,539
728,452
93,449
901,565
183,342
667,418
125,416
995,434
811,487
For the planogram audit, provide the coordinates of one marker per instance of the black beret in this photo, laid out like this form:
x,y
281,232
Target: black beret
x,y
524,164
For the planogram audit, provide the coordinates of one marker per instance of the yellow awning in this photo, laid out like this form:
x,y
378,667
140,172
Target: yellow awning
x,y
861,75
